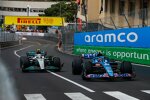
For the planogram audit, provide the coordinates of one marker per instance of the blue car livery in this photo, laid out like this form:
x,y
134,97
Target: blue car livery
x,y
98,66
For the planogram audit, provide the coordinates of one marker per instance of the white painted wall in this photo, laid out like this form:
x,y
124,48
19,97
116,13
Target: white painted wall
x,y
23,4
8,13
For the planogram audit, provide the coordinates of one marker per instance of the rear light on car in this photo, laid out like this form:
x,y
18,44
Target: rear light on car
x,y
99,59
31,60
114,66
98,65
82,58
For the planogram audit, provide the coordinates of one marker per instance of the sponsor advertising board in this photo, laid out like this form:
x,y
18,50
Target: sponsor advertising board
x,y
134,37
30,20
123,44
136,55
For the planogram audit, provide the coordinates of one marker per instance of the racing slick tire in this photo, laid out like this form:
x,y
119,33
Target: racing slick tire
x,y
57,63
50,57
77,66
87,69
49,62
126,67
24,63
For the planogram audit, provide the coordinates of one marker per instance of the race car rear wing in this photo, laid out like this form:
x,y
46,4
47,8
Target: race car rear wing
x,y
89,56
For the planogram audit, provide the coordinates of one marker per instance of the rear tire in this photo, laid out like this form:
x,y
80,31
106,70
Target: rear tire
x,y
57,63
77,66
24,63
50,57
126,67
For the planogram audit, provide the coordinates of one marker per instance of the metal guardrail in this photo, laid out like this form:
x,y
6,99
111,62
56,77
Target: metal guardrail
x,y
51,37
7,37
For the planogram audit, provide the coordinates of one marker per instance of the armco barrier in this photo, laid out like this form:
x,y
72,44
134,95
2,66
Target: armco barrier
x,y
6,37
49,37
123,44
8,44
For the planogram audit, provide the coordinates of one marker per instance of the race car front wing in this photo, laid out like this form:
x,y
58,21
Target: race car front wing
x,y
105,75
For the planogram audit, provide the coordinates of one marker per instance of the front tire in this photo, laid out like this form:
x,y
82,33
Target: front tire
x,y
77,66
87,69
57,63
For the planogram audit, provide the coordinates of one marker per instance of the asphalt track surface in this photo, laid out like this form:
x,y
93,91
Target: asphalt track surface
x,y
65,86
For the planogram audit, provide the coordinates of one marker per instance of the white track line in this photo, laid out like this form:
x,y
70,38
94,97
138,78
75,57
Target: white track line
x,y
15,52
77,96
34,97
120,96
146,91
141,65
34,42
77,84
136,64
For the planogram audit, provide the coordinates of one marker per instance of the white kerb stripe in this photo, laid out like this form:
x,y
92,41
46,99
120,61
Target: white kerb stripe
x,y
15,52
34,97
141,65
146,91
77,84
120,96
77,96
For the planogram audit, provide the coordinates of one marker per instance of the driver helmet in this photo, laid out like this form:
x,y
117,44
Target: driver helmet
x,y
38,51
99,54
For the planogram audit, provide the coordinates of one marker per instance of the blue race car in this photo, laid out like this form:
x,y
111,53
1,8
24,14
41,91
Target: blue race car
x,y
98,66
39,60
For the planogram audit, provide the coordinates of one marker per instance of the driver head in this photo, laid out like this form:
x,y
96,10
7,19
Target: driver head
x,y
38,51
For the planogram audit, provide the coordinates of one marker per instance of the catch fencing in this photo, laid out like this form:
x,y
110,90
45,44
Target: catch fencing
x,y
134,19
7,37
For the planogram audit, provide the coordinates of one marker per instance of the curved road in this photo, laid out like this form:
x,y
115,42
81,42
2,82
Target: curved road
x,y
63,85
